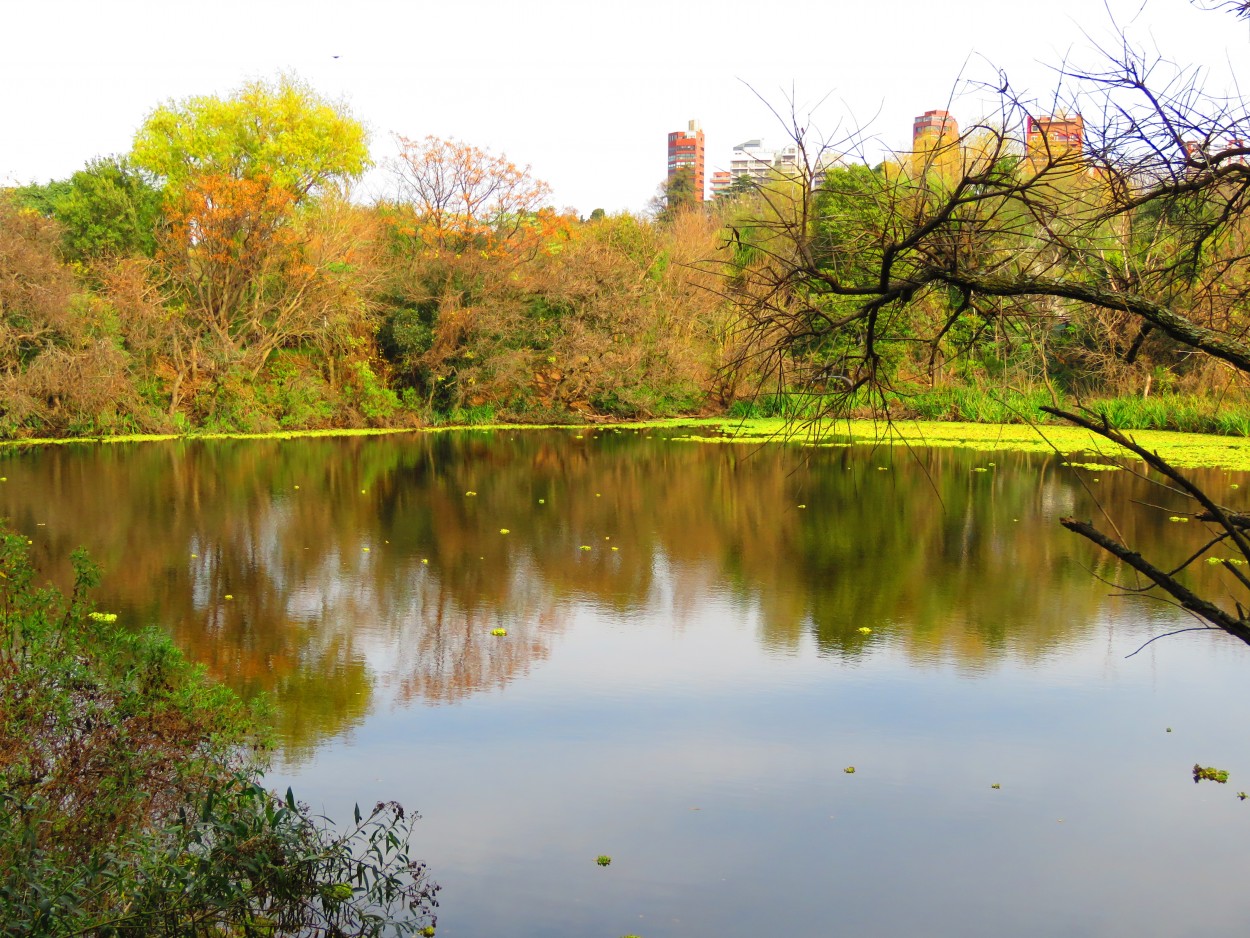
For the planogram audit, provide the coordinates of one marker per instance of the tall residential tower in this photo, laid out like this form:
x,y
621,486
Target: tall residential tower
x,y
685,151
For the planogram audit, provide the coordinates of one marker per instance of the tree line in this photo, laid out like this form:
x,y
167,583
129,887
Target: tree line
x,y
224,275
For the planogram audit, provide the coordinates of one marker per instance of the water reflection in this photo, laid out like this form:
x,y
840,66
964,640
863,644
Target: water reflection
x,y
343,575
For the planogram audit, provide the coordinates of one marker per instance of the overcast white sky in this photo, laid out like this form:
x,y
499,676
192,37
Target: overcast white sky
x,y
584,91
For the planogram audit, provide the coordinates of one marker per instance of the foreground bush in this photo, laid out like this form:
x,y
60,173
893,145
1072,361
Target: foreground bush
x,y
131,795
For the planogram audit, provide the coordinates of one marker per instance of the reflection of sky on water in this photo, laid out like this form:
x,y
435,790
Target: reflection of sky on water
x,y
687,703
713,775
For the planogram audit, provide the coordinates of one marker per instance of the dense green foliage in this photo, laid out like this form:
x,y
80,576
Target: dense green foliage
x,y
132,798
108,209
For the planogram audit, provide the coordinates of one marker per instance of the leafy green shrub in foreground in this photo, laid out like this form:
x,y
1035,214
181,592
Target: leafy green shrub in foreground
x,y
131,796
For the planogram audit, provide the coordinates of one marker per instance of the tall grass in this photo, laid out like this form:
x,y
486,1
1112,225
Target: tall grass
x,y
1184,413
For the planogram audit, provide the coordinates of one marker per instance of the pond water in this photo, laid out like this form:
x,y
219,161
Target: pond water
x,y
701,639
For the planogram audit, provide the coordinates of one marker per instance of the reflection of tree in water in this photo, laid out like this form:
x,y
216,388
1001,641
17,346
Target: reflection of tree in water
x,y
321,543
442,652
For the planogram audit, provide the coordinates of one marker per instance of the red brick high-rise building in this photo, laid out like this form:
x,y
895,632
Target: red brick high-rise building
x,y
1054,136
685,151
936,126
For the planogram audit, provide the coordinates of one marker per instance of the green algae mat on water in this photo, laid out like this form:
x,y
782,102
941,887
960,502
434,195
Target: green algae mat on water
x,y
1186,450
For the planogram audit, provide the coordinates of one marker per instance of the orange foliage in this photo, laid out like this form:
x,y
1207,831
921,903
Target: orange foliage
x,y
469,200
254,273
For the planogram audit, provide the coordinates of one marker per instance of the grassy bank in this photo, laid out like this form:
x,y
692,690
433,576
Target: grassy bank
x,y
1185,450
1184,413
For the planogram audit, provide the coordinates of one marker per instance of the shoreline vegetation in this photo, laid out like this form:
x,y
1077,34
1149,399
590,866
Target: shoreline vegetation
x,y
223,278
132,796
1182,449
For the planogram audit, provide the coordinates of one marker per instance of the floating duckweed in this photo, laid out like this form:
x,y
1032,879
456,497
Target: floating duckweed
x,y
297,488
883,468
585,547
863,630
849,770
996,785
193,556
1209,773
424,560
365,549
229,596
616,548
362,491
470,493
1241,796
500,633
102,616
542,501
1233,486
802,506
1093,466
1169,729
1233,560
979,469
1177,518
504,531
604,860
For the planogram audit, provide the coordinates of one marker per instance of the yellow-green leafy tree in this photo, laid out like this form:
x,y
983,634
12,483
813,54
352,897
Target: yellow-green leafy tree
x,y
255,256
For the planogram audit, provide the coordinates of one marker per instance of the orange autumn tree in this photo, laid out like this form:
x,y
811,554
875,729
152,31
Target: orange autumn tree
x,y
467,199
253,257
466,227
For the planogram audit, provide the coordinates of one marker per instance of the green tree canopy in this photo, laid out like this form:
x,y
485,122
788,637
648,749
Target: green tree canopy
x,y
109,207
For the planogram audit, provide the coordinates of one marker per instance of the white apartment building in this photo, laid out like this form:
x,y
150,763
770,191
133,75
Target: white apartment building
x,y
760,163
